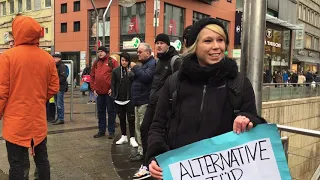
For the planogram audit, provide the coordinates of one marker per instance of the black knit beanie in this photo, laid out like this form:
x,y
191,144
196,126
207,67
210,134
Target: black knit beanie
x,y
199,25
104,49
164,38
185,33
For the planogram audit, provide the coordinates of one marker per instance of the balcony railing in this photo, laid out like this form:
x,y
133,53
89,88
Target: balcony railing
x,y
284,91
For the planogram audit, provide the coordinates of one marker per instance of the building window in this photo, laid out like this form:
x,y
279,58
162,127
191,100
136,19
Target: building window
x,y
64,27
47,30
37,5
132,23
76,26
47,3
316,44
174,22
225,24
308,39
64,8
300,11
28,5
76,6
197,16
11,7
19,5
3,9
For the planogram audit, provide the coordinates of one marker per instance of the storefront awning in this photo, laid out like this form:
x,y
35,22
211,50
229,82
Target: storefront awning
x,y
306,59
283,23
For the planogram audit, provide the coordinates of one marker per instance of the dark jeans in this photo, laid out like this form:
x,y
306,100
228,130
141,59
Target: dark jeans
x,y
126,112
17,156
145,126
59,100
26,168
104,102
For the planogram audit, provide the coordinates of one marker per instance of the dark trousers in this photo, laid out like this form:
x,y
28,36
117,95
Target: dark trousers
x,y
145,126
26,168
126,112
104,102
17,160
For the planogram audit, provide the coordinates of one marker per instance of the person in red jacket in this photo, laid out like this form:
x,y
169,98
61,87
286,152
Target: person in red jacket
x,y
100,83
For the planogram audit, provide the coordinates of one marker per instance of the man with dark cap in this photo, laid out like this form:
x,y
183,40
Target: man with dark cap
x,y
121,92
100,84
59,98
168,63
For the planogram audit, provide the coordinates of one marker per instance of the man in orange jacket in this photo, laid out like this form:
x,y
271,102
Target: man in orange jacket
x,y
28,79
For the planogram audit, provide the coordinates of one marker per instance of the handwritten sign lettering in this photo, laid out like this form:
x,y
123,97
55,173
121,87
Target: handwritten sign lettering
x,y
248,156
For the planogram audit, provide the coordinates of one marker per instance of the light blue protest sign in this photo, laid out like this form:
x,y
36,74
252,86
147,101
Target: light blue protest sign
x,y
254,155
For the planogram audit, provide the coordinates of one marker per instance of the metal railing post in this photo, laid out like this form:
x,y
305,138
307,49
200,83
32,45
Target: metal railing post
x,y
72,85
104,24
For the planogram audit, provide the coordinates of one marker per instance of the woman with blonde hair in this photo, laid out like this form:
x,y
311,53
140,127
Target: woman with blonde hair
x,y
201,108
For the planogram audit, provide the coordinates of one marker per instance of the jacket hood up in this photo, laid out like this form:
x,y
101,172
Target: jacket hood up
x,y
26,30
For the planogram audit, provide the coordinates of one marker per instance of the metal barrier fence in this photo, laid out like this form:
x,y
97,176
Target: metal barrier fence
x,y
306,132
283,91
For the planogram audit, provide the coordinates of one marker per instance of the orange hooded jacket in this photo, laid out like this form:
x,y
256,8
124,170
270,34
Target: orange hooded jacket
x,y
28,78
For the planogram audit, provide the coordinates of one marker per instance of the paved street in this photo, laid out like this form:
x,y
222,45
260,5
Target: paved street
x,y
74,154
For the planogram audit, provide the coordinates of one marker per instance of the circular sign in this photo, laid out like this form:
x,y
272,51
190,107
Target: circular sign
x,y
269,33
127,3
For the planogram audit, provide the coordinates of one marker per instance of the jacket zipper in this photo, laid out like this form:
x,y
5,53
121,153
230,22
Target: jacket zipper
x,y
203,96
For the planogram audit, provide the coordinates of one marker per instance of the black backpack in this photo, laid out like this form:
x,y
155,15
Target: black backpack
x,y
235,91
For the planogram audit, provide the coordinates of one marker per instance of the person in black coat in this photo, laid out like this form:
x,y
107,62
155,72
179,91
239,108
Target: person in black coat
x,y
121,92
202,108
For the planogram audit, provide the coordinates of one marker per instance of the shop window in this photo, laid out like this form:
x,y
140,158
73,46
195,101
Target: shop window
x,y
76,26
76,6
93,28
64,27
3,8
132,23
174,21
308,39
197,16
64,8
28,5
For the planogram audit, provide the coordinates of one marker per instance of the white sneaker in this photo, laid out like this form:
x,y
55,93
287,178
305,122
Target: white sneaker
x,y
142,173
122,140
133,142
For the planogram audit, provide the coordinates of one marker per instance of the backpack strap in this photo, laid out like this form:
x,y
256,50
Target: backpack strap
x,y
173,60
110,63
235,92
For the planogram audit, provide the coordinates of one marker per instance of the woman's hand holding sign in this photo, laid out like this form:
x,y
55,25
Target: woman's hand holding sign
x,y
155,170
241,124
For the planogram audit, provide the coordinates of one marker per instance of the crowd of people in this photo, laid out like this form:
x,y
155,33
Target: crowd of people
x,y
293,77
198,91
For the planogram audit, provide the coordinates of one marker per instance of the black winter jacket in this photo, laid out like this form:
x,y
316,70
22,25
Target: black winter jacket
x,y
142,79
62,72
202,109
119,78
163,71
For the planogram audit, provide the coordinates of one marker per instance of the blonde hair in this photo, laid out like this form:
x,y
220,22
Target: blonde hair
x,y
213,27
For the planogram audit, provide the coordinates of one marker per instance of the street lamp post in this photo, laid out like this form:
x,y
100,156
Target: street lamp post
x,y
253,45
